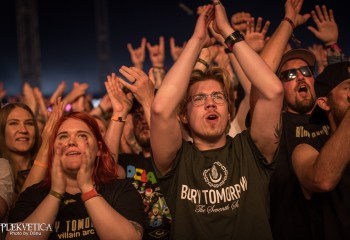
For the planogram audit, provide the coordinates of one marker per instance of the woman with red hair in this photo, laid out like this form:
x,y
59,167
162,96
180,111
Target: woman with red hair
x,y
80,197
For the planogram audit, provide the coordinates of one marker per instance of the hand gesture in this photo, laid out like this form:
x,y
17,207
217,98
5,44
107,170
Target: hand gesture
x,y
239,21
138,54
321,56
327,28
120,101
84,176
175,51
2,91
142,88
58,182
256,34
28,97
202,25
292,11
157,53
58,92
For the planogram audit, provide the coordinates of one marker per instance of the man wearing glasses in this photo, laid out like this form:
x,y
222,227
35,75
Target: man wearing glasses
x,y
288,205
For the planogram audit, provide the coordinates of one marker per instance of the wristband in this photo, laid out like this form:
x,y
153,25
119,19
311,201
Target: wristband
x,y
40,164
334,47
56,194
90,194
203,62
118,119
233,38
294,39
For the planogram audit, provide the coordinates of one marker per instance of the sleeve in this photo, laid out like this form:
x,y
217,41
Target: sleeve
x,y
26,203
126,200
6,181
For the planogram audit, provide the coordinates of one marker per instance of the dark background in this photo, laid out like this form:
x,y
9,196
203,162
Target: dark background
x,y
68,38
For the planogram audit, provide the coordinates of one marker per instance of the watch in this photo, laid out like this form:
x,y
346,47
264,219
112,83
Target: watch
x,y
233,38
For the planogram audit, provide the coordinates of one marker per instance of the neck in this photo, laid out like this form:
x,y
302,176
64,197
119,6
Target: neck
x,y
19,162
207,144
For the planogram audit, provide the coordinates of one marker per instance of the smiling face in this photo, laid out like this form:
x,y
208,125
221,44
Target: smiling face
x,y
207,122
19,131
299,93
75,141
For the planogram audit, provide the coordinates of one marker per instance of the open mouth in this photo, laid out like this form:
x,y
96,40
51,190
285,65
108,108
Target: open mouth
x,y
302,89
73,153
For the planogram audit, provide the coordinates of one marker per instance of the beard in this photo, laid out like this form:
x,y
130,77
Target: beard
x,y
303,106
337,112
144,142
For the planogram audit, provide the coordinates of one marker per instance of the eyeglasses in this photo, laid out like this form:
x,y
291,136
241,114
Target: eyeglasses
x,y
200,99
291,74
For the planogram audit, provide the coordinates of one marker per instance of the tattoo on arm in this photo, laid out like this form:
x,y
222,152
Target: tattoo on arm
x,y
137,227
278,131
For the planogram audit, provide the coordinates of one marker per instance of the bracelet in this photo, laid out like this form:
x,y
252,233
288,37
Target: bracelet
x,y
233,38
158,67
90,194
40,164
203,62
334,47
102,111
56,194
294,39
118,119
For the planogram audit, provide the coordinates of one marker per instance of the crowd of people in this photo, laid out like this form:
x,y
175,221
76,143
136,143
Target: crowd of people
x,y
243,137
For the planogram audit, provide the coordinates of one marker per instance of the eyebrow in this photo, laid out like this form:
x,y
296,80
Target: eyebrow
x,y
80,131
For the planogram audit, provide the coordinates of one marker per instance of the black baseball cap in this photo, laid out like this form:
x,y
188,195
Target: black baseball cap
x,y
325,82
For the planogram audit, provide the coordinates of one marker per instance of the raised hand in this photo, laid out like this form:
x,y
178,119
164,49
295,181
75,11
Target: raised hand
x,y
327,28
321,56
2,91
175,51
58,182
239,21
121,102
142,87
256,34
58,92
201,30
40,102
84,176
137,55
157,53
28,97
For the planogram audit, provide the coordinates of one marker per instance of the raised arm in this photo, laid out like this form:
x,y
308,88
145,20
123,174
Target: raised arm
x,y
265,127
166,134
39,169
138,55
321,171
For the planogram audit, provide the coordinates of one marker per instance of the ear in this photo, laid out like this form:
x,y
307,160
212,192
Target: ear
x,y
323,103
99,149
183,118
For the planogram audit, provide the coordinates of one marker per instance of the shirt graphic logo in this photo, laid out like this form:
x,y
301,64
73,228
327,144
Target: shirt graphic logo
x,y
216,175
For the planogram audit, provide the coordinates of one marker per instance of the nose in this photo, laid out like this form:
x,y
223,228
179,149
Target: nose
x,y
300,76
209,102
71,142
23,128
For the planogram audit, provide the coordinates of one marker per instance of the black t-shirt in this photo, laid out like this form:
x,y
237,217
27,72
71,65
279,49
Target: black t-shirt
x,y
157,214
334,206
291,215
220,193
73,221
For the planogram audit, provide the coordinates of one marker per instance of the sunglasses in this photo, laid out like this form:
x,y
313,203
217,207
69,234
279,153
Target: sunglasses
x,y
291,74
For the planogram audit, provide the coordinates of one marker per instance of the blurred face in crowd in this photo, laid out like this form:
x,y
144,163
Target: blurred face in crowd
x,y
75,141
141,128
207,110
339,101
19,131
299,92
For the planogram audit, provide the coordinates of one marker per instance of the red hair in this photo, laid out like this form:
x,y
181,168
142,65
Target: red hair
x,y
105,168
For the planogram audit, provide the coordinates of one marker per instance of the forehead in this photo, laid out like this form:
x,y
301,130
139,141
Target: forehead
x,y
19,113
293,63
206,86
73,125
